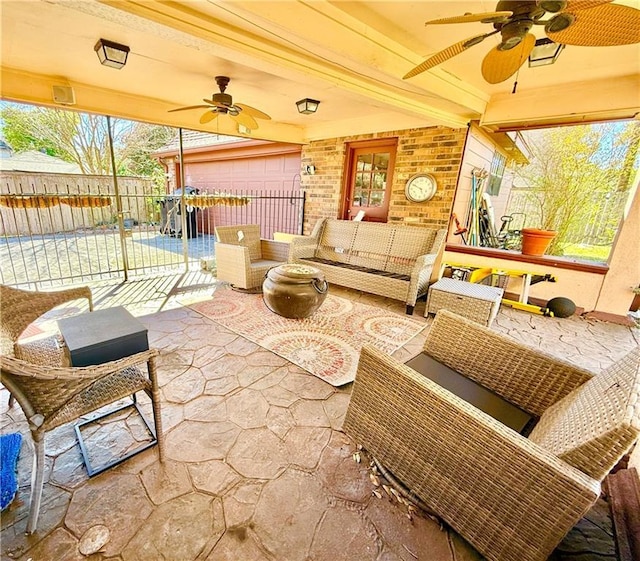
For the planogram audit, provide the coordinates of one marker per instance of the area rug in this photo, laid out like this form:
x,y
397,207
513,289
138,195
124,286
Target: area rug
x,y
326,344
9,451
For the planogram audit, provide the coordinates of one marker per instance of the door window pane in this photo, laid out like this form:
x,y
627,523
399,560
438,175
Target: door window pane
x,y
364,162
376,198
381,161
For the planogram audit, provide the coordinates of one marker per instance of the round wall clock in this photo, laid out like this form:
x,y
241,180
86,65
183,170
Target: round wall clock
x,y
420,187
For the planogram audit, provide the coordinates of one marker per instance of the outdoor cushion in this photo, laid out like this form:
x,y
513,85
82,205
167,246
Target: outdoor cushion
x,y
595,424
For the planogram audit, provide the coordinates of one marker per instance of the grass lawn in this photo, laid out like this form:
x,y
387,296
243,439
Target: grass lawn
x,y
597,253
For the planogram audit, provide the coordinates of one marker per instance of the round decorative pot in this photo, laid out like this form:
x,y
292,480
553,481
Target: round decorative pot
x,y
536,242
294,291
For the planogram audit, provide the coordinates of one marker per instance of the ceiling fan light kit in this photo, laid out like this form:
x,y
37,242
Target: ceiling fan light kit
x,y
111,54
585,23
545,52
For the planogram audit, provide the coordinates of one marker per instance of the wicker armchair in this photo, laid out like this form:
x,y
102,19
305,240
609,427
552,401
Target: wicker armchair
x,y
243,259
20,308
513,498
52,396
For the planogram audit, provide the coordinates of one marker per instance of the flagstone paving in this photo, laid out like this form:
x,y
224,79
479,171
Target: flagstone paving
x,y
257,467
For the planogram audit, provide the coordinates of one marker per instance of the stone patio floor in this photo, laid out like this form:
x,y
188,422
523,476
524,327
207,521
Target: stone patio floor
x,y
257,466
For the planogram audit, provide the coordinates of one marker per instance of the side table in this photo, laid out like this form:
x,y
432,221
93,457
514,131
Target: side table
x,y
476,302
98,337
103,335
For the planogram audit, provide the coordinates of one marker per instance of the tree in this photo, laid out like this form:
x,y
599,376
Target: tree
x,y
573,171
135,146
83,138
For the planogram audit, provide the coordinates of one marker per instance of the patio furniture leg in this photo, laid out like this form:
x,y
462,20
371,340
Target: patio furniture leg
x,y
410,310
71,393
37,481
155,405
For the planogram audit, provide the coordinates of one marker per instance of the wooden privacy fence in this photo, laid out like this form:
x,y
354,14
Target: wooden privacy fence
x,y
56,228
54,203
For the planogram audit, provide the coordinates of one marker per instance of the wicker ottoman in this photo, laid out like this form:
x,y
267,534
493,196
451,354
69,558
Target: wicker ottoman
x,y
476,302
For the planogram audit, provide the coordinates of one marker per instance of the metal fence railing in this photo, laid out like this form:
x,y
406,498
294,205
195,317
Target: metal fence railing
x,y
54,229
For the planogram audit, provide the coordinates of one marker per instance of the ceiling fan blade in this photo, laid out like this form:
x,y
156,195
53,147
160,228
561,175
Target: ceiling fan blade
x,y
246,120
601,26
208,117
215,103
486,17
253,111
498,65
445,54
573,5
187,108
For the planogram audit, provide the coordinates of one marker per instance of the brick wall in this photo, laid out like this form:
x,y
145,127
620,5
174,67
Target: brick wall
x,y
435,150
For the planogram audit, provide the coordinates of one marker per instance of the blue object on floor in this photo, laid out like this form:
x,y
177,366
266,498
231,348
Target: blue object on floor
x,y
9,451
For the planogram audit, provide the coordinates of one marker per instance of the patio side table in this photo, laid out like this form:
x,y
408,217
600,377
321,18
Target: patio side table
x,y
103,335
476,302
98,337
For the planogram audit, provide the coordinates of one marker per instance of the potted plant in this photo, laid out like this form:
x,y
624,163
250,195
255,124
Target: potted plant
x,y
535,241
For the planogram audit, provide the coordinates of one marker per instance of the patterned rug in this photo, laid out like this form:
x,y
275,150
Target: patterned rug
x,y
326,344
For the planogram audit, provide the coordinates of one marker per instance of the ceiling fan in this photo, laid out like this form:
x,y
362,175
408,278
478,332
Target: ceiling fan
x,y
586,23
222,103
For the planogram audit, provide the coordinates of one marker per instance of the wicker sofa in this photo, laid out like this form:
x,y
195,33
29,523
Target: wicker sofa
x,y
513,498
386,259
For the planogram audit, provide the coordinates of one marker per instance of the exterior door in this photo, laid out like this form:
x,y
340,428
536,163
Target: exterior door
x,y
369,176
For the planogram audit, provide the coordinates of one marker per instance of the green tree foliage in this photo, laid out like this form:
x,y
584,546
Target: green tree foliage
x,y
574,172
134,146
83,139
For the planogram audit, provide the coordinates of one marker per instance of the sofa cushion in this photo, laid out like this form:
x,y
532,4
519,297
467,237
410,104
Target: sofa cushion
x,y
596,424
368,270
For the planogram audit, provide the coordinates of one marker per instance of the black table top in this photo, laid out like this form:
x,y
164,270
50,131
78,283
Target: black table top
x,y
478,396
95,328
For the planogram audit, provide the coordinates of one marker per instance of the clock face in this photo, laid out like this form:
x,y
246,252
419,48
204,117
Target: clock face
x,y
421,187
